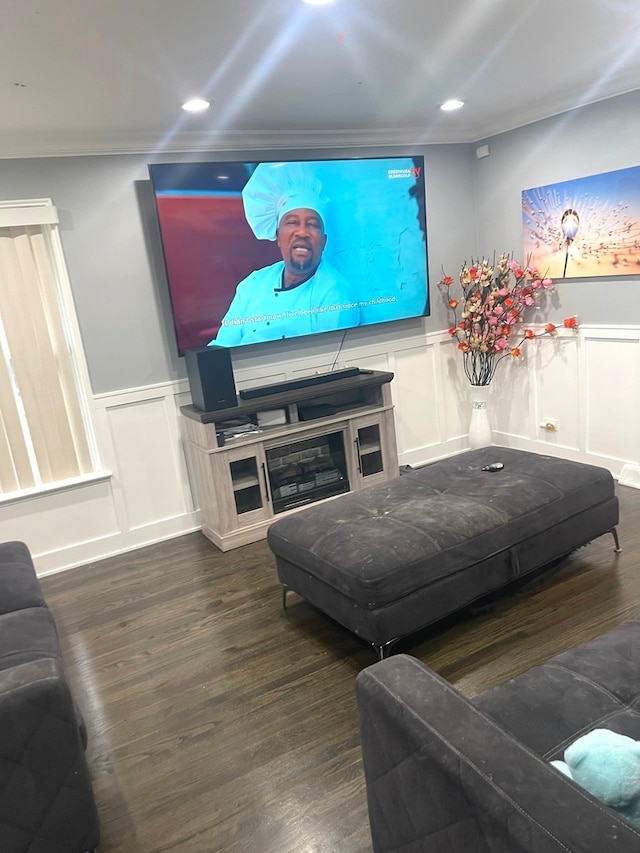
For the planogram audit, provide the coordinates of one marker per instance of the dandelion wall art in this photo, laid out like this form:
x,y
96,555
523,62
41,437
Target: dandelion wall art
x,y
585,227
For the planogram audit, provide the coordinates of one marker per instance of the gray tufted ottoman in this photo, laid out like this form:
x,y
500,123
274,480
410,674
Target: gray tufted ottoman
x,y
391,559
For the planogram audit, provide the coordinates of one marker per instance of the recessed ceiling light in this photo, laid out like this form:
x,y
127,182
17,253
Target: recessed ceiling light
x,y
196,105
317,2
452,104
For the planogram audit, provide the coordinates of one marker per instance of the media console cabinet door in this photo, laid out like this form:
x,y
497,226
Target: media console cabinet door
x,y
239,475
374,452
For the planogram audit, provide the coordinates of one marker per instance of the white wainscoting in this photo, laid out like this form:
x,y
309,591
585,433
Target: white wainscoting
x,y
143,495
587,383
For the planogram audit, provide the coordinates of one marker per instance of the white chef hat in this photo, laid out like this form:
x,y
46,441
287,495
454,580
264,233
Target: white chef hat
x,y
276,188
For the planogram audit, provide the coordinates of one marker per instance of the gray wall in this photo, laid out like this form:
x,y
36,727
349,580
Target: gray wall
x,y
111,243
599,138
110,260
112,248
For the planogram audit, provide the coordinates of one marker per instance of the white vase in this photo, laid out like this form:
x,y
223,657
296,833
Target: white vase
x,y
479,426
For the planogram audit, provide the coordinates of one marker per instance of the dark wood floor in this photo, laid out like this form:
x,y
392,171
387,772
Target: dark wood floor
x,y
217,722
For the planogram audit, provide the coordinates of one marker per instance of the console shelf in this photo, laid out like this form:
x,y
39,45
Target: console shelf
x,y
337,437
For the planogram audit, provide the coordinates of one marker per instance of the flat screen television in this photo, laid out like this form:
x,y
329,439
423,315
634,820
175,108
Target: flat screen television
x,y
242,242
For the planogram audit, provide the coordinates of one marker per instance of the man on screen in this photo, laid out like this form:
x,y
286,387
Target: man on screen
x,y
302,294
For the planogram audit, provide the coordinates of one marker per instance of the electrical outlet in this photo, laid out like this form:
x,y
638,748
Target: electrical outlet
x,y
549,425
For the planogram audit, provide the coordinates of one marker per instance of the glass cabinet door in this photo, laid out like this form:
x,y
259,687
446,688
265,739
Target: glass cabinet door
x,y
372,453
245,482
236,498
369,449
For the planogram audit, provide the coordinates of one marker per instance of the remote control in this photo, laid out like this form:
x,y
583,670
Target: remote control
x,y
495,466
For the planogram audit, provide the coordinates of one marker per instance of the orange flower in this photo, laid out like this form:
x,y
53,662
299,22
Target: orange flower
x,y
529,333
516,352
447,280
550,328
453,303
570,323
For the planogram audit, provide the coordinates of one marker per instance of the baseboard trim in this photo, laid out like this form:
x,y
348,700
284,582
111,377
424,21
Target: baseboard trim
x,y
630,476
85,553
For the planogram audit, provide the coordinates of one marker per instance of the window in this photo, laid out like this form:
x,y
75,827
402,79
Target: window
x,y
46,436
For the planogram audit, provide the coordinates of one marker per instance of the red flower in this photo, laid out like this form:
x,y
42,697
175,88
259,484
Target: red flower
x,y
447,280
452,330
529,333
570,323
550,328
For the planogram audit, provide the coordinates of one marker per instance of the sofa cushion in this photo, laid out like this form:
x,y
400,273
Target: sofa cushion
x,y
27,635
19,586
46,800
31,635
596,685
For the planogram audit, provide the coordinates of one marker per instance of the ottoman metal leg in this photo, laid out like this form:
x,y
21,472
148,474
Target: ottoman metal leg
x,y
384,650
614,533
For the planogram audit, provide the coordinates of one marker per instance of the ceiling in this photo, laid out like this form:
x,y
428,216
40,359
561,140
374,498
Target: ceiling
x,y
107,76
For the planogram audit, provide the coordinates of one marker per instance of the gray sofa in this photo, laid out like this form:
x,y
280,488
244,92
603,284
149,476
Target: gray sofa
x,y
46,798
450,775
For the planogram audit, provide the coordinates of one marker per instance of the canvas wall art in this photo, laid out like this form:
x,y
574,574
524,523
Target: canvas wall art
x,y
584,227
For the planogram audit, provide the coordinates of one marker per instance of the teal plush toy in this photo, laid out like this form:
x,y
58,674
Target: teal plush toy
x,y
608,766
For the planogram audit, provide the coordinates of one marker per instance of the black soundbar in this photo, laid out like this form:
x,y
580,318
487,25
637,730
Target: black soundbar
x,y
295,384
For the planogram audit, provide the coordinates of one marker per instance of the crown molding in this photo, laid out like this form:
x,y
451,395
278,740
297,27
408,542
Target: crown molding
x,y
77,143
89,144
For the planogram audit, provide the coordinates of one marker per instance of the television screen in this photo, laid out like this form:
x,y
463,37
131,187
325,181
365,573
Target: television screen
x,y
263,251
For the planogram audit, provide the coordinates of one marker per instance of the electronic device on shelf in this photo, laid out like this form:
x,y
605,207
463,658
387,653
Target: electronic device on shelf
x,y
295,384
375,207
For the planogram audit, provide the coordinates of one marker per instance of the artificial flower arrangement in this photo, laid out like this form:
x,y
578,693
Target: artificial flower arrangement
x,y
489,316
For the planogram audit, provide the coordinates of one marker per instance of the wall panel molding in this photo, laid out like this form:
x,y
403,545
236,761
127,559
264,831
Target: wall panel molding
x,y
589,384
